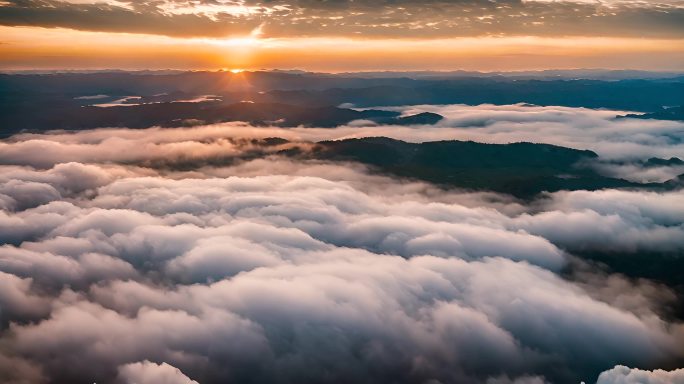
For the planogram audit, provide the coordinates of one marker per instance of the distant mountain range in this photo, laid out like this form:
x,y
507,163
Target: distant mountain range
x,y
66,100
179,114
672,113
519,169
580,73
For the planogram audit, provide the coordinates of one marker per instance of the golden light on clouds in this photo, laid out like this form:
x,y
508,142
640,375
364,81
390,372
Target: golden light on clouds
x,y
42,48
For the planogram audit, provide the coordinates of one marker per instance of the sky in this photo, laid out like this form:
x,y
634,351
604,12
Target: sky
x,y
342,35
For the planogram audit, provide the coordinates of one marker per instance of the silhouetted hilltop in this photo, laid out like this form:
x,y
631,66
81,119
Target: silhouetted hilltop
x,y
179,114
520,169
672,113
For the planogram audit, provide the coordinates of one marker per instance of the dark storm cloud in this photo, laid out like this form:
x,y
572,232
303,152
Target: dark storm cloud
x,y
414,19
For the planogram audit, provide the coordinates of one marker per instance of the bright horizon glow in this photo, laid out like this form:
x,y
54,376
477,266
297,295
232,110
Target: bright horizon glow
x,y
58,48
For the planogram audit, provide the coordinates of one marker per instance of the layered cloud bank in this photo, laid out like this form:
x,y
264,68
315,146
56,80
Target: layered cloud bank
x,y
598,130
624,375
116,268
623,144
301,277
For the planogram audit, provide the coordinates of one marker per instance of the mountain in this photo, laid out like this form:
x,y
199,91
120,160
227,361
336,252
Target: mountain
x,y
672,113
59,95
519,169
634,95
38,102
176,114
424,118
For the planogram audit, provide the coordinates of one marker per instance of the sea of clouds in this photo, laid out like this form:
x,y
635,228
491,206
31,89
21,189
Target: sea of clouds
x,y
115,268
622,143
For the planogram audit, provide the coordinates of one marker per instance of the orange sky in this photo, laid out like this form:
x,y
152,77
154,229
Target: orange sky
x,y
58,48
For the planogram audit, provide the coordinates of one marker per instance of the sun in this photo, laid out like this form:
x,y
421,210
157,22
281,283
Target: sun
x,y
237,70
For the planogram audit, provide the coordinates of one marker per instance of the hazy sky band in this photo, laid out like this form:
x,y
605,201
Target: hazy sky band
x,y
39,48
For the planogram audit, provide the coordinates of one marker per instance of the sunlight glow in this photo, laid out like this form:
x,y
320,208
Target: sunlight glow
x,y
31,48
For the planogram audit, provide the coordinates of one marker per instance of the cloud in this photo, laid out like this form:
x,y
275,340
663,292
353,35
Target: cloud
x,y
19,371
290,274
147,372
639,173
421,19
115,267
91,341
221,257
625,375
622,144
139,17
17,301
580,128
581,220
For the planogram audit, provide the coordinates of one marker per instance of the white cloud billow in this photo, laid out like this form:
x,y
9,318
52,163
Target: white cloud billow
x,y
274,269
625,375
